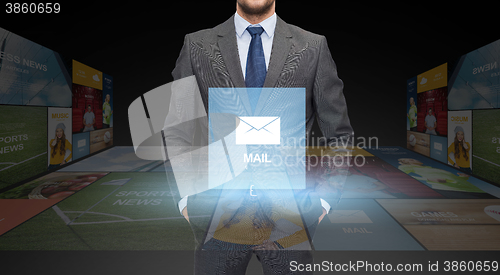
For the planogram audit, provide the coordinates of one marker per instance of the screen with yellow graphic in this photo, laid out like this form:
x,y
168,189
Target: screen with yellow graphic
x,y
86,76
433,79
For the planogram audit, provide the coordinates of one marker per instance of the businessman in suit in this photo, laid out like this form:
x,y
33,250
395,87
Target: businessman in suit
x,y
219,57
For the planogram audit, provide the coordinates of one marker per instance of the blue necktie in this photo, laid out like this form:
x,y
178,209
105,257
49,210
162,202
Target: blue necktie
x,y
256,66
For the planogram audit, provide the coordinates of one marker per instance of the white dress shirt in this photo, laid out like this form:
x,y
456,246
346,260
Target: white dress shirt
x,y
244,38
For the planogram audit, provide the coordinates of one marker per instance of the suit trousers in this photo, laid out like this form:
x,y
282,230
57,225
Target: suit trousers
x,y
218,257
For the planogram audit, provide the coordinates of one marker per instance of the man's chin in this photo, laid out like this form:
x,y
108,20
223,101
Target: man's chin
x,y
255,10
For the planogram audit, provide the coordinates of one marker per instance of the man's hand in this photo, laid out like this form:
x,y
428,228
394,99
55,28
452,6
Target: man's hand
x,y
185,213
322,215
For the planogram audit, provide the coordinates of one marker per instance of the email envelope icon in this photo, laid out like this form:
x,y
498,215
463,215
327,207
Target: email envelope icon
x,y
258,130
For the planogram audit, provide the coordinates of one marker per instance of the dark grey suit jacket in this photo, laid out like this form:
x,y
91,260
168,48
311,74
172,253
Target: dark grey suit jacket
x,y
298,59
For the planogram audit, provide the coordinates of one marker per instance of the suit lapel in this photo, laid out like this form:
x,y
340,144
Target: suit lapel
x,y
229,52
281,47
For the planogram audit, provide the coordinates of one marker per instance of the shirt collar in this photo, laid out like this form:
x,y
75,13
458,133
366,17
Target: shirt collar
x,y
269,25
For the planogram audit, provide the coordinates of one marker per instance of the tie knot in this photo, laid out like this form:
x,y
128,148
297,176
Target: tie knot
x,y
255,30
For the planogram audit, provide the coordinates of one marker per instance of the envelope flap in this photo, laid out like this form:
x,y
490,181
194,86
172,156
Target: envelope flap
x,y
259,122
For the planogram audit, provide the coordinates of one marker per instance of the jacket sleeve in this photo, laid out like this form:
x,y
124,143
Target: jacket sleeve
x,y
329,100
183,66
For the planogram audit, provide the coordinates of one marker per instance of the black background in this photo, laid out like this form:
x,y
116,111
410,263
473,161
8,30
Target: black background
x,y
376,48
